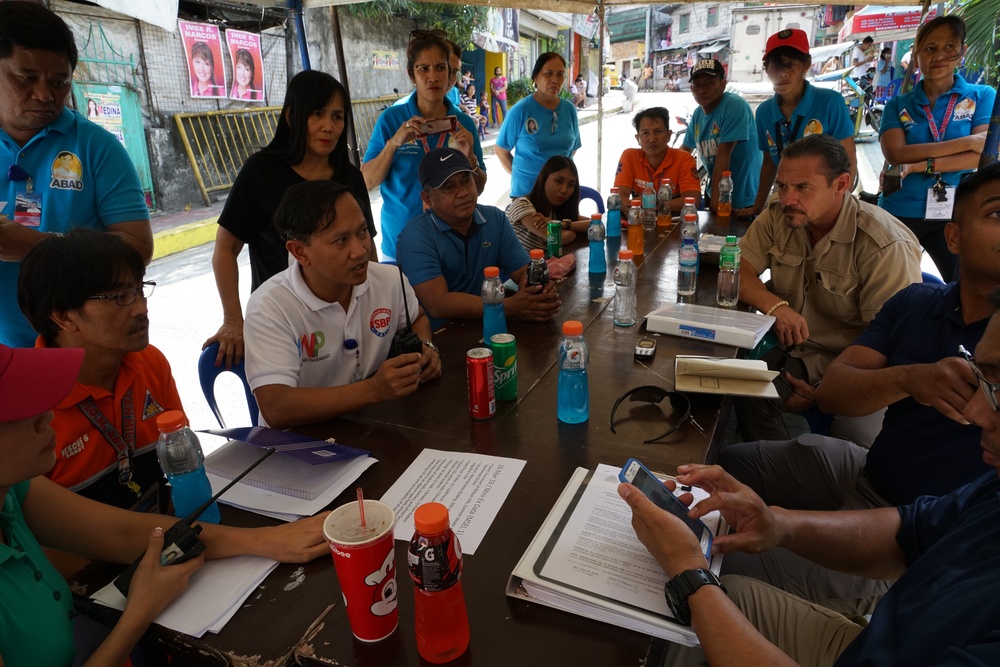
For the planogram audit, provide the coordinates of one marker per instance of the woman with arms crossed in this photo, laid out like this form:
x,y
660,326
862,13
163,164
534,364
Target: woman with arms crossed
x,y
935,134
35,623
309,145
538,127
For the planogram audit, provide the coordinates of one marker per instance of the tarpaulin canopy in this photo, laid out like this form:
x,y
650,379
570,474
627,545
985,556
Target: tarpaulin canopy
x,y
884,24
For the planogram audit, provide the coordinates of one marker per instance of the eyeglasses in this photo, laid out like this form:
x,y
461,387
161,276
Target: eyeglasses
x,y
127,295
652,394
428,34
555,123
990,389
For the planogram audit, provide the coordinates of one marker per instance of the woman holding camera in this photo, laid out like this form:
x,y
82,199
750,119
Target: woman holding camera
x,y
403,134
36,627
309,144
933,135
538,127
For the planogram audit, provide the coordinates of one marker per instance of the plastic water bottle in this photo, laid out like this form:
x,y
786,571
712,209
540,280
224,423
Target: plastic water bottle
x,y
538,270
663,198
494,321
573,404
687,268
183,462
614,214
649,207
625,290
689,207
725,207
728,294
434,559
595,234
636,233
689,230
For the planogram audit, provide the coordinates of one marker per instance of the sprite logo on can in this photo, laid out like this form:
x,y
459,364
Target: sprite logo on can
x,y
504,366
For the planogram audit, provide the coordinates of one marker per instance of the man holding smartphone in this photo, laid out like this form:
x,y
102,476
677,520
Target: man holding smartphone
x,y
319,333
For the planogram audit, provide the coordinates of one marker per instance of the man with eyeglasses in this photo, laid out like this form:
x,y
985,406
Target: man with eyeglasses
x,y
85,289
444,251
655,161
909,360
58,170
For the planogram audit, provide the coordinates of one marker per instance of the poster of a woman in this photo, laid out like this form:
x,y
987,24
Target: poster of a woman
x,y
203,50
248,66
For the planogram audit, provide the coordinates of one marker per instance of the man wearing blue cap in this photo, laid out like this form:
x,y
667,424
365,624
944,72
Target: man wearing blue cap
x,y
444,251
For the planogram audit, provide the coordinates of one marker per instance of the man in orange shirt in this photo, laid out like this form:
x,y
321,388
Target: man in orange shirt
x,y
655,161
85,289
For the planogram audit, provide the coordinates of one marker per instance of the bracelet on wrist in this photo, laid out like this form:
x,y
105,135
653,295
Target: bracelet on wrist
x,y
776,307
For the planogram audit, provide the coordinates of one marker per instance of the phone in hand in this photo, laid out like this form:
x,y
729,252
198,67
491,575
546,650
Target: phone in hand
x,y
640,477
891,180
438,125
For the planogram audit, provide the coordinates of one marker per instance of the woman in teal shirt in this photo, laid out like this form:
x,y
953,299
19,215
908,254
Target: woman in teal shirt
x,y
934,134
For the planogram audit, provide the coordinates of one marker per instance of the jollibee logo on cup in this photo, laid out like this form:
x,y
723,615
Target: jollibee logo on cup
x,y
381,319
342,554
384,581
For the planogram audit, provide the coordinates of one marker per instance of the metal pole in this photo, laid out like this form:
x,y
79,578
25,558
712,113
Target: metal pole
x,y
300,31
991,151
338,44
600,91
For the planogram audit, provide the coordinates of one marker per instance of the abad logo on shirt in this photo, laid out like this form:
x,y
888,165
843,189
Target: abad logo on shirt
x,y
964,110
67,172
380,320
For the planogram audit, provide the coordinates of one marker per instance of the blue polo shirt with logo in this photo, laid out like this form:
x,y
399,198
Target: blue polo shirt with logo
x,y
401,187
973,107
731,120
98,187
820,111
535,134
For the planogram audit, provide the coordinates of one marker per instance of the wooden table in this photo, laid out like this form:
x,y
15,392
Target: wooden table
x,y
308,624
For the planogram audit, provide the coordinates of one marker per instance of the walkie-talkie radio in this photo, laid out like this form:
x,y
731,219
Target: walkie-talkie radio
x,y
180,541
405,341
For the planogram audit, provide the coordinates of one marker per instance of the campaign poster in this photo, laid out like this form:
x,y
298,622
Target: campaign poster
x,y
385,59
103,106
248,66
203,51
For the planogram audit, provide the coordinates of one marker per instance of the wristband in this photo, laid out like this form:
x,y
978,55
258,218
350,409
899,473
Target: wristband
x,y
776,306
930,167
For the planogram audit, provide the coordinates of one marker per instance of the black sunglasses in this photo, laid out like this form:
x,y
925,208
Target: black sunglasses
x,y
428,34
654,395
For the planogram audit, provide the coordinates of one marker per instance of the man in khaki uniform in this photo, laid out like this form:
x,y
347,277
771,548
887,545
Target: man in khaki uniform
x,y
834,260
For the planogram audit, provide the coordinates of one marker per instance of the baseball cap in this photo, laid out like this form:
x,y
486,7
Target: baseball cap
x,y
710,67
440,164
797,39
33,380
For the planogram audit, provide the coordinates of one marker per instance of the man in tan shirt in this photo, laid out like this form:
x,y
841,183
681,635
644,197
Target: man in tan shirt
x,y
834,260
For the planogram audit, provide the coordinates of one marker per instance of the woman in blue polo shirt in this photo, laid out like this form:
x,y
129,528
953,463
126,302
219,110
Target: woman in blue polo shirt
x,y
798,109
538,127
935,134
403,134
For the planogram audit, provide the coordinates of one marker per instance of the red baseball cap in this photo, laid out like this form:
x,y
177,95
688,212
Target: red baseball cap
x,y
793,37
34,380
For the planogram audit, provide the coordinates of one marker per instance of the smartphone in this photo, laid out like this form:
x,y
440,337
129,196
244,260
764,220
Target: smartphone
x,y
645,349
640,477
891,182
446,124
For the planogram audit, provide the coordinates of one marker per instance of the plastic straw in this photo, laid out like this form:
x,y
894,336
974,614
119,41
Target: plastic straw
x,y
361,507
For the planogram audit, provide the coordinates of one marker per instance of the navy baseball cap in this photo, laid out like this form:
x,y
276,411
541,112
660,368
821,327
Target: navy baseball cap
x,y
441,164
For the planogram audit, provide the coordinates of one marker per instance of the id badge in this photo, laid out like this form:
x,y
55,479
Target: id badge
x,y
940,203
28,209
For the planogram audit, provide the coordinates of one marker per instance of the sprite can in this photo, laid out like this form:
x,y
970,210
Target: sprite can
x,y
553,239
504,366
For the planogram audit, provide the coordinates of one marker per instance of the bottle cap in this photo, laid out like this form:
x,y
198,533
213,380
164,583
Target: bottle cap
x,y
572,328
596,216
615,189
491,272
689,200
536,253
431,519
625,254
636,201
727,173
730,239
171,420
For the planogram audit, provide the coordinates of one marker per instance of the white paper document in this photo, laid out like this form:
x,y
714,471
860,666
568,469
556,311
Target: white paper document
x,y
472,487
214,594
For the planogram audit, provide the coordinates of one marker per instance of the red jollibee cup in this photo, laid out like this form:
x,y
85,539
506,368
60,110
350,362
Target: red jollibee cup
x,y
365,559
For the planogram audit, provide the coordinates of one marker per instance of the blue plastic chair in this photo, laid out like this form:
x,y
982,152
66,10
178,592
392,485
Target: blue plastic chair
x,y
930,278
591,193
207,374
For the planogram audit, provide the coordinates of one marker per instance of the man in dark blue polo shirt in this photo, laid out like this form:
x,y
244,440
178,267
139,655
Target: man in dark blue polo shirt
x,y
908,360
444,251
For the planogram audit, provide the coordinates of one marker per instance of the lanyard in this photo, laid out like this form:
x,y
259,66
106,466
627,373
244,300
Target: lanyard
x,y
779,137
124,446
932,125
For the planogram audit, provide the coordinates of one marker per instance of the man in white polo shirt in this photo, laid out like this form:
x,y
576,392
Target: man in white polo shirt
x,y
318,335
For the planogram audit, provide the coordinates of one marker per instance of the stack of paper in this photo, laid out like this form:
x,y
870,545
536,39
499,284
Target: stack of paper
x,y
733,377
214,594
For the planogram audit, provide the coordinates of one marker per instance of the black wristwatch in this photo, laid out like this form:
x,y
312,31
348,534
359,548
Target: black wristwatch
x,y
678,589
